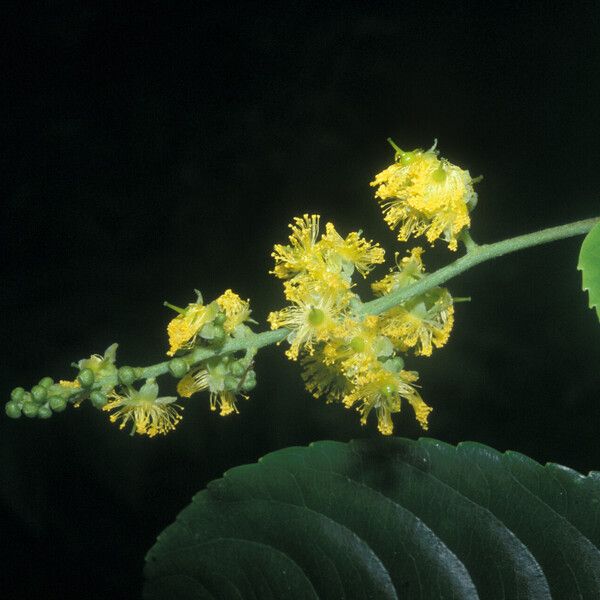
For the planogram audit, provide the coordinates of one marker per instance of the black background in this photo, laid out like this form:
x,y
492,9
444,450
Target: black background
x,y
152,148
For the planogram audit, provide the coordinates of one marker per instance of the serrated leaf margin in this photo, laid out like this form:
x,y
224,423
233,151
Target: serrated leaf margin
x,y
589,265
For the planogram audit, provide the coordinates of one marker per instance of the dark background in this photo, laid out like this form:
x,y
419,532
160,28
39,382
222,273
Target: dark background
x,y
152,148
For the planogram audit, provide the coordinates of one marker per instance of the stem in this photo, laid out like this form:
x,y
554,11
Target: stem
x,y
475,254
256,341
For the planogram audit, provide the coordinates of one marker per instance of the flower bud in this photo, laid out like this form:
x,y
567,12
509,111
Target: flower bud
x,y
86,378
57,404
220,319
126,375
30,409
17,394
237,368
12,410
178,367
46,382
394,365
231,383
219,335
98,399
44,412
39,393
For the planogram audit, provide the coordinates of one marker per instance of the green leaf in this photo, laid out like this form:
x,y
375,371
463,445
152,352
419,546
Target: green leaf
x,y
589,265
385,518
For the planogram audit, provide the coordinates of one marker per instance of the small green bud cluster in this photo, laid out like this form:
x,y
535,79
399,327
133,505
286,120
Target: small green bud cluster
x,y
41,401
220,374
213,331
233,375
94,380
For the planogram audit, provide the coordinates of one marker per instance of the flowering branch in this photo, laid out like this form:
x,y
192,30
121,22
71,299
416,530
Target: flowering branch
x,y
479,254
352,352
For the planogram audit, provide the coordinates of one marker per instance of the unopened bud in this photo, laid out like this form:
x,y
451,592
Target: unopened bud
x,y
126,375
44,412
86,378
98,399
12,410
57,404
39,393
178,367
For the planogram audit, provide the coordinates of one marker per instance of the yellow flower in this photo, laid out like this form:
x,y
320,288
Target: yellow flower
x,y
295,258
408,271
236,310
421,323
323,378
325,266
212,377
422,194
149,415
310,321
383,390
186,326
356,345
354,250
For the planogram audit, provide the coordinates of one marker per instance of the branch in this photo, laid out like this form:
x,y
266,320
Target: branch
x,y
475,255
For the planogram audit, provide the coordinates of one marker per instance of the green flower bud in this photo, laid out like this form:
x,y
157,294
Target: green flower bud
x,y
220,319
237,368
44,412
86,378
216,366
26,397
98,399
57,404
249,382
12,410
46,382
30,409
39,393
126,375
17,394
219,335
394,365
231,383
178,367
208,331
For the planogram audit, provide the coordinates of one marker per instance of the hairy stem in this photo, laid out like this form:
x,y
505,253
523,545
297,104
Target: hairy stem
x,y
476,254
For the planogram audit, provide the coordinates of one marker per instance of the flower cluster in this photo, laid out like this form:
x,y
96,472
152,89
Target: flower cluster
x,y
110,389
48,397
423,194
348,356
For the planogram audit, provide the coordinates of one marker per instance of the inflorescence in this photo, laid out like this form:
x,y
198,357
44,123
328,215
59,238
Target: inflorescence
x,y
348,356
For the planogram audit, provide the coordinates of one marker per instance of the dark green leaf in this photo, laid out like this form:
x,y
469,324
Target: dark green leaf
x,y
385,518
589,265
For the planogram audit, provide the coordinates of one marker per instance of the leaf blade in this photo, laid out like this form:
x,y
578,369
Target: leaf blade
x,y
589,265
